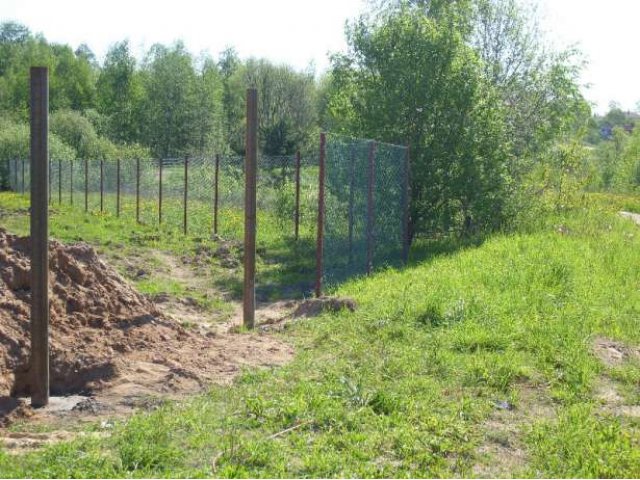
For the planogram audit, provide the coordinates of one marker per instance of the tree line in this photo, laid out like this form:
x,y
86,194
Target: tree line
x,y
491,114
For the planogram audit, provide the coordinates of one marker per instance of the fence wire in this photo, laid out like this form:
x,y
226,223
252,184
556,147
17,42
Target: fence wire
x,y
365,199
156,192
366,202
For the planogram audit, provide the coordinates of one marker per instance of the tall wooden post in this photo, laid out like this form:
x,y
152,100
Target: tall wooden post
x,y
215,195
251,160
321,206
371,207
297,212
39,237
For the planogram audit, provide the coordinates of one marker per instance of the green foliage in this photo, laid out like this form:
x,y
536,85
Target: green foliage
x,y
15,144
410,78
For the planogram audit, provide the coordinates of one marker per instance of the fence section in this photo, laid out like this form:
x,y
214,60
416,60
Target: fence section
x,y
365,207
202,196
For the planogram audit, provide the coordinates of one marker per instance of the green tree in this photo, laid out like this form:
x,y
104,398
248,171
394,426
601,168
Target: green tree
x,y
171,100
410,78
120,93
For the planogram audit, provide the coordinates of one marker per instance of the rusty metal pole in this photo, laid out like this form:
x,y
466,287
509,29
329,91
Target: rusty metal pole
x,y
160,192
352,188
86,185
59,181
118,187
297,213
138,190
371,207
39,236
186,195
321,206
50,177
251,160
215,195
406,193
101,186
24,187
71,181
15,176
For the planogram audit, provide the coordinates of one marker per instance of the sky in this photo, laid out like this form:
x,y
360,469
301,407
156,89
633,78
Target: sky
x,y
303,32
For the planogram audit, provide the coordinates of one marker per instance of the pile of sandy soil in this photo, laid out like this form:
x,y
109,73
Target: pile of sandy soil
x,y
107,336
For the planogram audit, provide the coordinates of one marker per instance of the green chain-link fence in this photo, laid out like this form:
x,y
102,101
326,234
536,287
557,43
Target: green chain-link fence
x,y
365,199
365,208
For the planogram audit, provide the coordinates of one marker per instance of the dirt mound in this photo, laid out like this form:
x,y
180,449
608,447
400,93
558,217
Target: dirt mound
x,y
107,336
315,306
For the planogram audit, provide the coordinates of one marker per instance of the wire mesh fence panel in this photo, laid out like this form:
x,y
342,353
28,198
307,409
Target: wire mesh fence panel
x,y
128,182
365,191
390,192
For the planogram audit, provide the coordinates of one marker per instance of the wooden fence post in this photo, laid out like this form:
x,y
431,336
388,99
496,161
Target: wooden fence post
x,y
24,187
249,294
39,237
321,206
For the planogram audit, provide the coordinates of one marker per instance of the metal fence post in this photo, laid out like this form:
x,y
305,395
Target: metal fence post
x,y
297,213
118,187
16,188
24,188
352,187
86,185
215,194
371,207
138,190
39,237
101,186
50,176
249,294
406,240
59,181
71,181
321,206
186,195
160,192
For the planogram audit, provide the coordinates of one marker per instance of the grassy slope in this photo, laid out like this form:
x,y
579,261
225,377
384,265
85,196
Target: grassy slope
x,y
407,386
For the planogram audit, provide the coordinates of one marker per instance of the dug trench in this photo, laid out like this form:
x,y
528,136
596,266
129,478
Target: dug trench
x,y
112,349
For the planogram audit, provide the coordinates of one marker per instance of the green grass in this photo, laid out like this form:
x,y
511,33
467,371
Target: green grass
x,y
406,385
